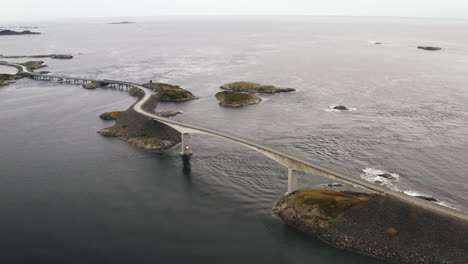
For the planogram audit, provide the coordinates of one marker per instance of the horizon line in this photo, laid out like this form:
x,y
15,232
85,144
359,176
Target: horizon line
x,y
231,15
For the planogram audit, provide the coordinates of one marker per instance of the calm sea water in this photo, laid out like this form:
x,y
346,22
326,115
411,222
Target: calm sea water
x,y
68,195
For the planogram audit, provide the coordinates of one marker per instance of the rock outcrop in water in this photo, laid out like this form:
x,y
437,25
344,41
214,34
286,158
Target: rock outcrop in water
x,y
378,226
4,83
141,130
94,85
251,87
429,48
341,108
235,99
8,32
168,113
114,115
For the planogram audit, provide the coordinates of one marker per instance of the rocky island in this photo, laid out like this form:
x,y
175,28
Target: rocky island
x,y
114,115
122,22
170,93
94,85
252,87
141,130
4,83
33,65
235,99
7,32
376,225
429,48
52,56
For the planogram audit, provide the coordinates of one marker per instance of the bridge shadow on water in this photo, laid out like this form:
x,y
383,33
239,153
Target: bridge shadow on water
x,y
186,168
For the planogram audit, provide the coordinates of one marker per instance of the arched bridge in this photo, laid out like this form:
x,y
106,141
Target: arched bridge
x,y
293,163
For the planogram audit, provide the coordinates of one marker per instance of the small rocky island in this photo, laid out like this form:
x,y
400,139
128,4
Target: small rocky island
x,y
33,65
341,108
52,56
4,83
235,99
141,130
94,85
252,87
122,22
169,93
429,48
114,115
7,32
376,225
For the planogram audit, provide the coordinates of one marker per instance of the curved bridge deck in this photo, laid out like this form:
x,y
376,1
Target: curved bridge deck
x,y
293,163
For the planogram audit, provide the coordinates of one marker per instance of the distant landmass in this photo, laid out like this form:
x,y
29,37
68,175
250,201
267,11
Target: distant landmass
x,y
7,32
122,22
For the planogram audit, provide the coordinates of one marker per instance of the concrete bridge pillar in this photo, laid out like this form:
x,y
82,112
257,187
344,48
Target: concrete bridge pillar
x,y
185,143
292,180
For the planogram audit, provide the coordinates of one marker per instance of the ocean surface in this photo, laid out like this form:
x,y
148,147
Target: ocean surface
x,y
69,195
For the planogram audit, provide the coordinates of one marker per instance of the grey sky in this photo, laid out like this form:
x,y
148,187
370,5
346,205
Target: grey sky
x,y
23,10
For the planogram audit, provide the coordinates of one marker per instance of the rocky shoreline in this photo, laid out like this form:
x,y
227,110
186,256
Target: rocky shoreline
x,y
377,226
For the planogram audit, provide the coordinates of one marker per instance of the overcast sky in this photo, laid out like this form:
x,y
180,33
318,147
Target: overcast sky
x,y
24,10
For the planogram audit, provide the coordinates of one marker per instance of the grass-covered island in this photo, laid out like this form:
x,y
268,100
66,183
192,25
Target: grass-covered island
x,y
235,99
170,93
376,225
141,130
252,87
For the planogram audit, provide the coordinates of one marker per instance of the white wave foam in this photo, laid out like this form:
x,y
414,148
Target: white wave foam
x,y
374,175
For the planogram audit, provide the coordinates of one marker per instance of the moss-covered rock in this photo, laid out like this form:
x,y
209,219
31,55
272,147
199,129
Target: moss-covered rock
x,y
234,99
170,93
111,115
252,87
94,85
